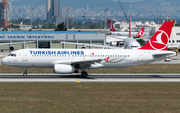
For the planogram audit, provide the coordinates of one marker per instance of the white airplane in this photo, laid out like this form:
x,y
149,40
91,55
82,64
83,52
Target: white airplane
x,y
130,42
67,61
174,46
112,39
114,32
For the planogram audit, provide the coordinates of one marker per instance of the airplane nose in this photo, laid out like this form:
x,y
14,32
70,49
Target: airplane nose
x,y
4,61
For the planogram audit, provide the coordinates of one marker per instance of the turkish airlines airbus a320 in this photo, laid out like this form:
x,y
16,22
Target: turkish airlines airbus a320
x,y
67,61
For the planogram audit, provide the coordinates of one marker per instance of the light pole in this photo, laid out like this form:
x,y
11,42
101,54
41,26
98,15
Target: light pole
x,y
39,24
10,14
105,10
101,22
31,16
67,17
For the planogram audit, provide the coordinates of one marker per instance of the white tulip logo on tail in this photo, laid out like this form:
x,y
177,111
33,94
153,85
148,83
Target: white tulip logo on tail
x,y
111,27
160,41
140,33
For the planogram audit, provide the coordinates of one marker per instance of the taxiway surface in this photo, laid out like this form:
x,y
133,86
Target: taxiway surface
x,y
91,78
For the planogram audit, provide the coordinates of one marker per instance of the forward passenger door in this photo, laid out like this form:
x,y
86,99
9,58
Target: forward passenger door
x,y
25,55
140,56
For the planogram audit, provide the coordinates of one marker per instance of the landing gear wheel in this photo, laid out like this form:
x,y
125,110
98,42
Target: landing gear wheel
x,y
84,74
25,72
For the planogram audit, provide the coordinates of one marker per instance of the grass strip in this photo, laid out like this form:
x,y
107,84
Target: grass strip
x,y
89,97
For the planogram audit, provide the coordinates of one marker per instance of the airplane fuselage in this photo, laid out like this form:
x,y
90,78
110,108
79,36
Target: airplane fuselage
x,y
124,33
108,58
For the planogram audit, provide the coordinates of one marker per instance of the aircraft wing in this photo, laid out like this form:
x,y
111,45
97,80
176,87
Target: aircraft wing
x,y
144,37
138,38
165,54
92,45
174,46
17,43
118,37
82,63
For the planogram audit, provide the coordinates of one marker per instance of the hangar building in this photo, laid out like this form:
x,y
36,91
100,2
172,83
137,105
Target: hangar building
x,y
49,39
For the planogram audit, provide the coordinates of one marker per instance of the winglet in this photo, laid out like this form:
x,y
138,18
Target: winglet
x,y
35,40
59,40
160,39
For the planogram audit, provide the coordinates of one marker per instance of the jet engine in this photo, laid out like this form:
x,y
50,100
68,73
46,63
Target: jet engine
x,y
83,47
64,69
11,48
178,49
113,43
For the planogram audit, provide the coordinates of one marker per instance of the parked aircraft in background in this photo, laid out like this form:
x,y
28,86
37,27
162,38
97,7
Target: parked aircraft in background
x,y
113,40
11,47
176,47
130,42
67,61
114,32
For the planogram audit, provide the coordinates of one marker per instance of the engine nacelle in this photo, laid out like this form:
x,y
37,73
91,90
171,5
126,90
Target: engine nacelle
x,y
64,69
178,49
11,48
83,47
113,43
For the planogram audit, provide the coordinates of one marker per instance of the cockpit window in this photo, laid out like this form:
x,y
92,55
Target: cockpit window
x,y
14,55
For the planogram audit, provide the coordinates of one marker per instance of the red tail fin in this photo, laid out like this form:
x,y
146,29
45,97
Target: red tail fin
x,y
140,33
111,27
160,39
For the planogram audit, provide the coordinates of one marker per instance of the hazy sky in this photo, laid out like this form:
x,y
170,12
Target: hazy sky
x,y
83,0
128,0
73,3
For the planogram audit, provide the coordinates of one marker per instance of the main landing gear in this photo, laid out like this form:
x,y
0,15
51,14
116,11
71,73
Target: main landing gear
x,y
84,74
25,72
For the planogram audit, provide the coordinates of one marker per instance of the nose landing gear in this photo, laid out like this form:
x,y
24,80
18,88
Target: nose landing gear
x,y
25,72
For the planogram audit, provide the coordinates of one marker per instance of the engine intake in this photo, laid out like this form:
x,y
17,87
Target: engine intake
x,y
178,49
64,69
11,48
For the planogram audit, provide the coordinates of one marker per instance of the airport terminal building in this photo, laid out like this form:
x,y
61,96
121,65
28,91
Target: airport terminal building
x,y
49,39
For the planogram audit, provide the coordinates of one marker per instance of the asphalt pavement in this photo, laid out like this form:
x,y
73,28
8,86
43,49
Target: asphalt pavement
x,y
18,78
